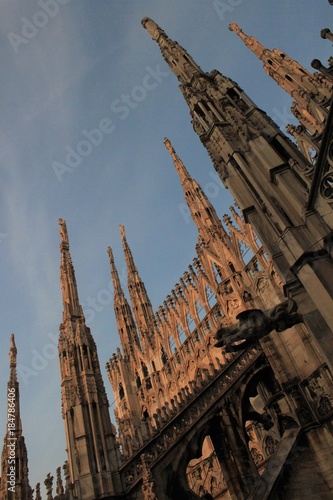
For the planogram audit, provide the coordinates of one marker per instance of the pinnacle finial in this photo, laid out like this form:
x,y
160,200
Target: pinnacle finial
x,y
110,255
168,145
152,27
12,352
69,291
251,42
180,167
234,27
122,231
63,231
145,20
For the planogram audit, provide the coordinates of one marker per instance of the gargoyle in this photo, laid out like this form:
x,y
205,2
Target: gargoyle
x,y
253,324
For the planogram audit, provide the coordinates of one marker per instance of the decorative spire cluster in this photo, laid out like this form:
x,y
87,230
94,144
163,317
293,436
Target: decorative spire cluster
x,y
310,91
17,487
141,305
69,290
183,66
125,322
92,453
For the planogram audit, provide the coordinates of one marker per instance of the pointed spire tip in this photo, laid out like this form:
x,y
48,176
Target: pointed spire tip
x,y
122,231
12,351
110,255
144,21
12,340
234,27
63,231
168,144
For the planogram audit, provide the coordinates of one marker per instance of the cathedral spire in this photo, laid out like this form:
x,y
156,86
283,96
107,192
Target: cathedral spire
x,y
256,47
12,359
14,483
114,274
141,305
180,62
92,454
125,322
202,211
310,91
131,268
70,295
180,167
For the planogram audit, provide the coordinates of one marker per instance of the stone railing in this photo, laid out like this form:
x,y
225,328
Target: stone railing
x,y
173,422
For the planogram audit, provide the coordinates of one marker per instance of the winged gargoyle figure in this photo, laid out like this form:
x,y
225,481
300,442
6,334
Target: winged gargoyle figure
x,y
253,324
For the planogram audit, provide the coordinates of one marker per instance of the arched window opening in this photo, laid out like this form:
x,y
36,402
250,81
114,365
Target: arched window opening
x,y
217,272
232,94
190,322
211,297
121,391
253,268
86,360
236,98
181,334
200,310
245,251
172,344
199,111
288,78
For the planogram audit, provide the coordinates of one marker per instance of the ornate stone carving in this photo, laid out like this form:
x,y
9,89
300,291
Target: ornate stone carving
x,y
254,324
326,187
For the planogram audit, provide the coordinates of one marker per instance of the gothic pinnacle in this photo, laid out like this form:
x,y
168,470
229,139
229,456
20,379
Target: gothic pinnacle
x,y
12,351
152,27
114,273
131,268
63,232
180,167
70,295
179,61
12,359
249,41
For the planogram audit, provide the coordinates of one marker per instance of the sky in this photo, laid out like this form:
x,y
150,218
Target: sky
x,y
68,149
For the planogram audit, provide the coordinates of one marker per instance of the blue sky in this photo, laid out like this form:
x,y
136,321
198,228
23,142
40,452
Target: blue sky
x,y
60,80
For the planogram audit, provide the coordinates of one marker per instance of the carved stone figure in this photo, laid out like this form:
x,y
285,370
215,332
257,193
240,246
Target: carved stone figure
x,y
254,324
